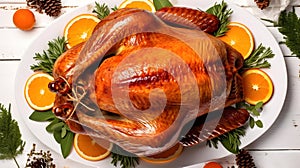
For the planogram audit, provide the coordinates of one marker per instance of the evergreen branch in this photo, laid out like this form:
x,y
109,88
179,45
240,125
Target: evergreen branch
x,y
47,58
258,58
223,14
114,8
101,10
123,158
11,143
289,26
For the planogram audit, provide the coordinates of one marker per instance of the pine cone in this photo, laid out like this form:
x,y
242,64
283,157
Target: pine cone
x,y
37,4
244,159
262,4
50,7
53,7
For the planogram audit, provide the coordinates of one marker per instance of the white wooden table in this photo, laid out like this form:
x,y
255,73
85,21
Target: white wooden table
x,y
279,147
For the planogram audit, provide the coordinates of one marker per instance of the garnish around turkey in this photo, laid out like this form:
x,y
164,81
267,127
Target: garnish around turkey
x,y
63,131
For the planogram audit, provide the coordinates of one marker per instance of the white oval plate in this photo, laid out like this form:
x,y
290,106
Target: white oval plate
x,y
192,155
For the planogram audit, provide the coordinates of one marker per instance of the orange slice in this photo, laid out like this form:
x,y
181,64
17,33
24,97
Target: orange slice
x,y
36,92
89,148
240,38
257,85
167,156
80,28
141,4
212,165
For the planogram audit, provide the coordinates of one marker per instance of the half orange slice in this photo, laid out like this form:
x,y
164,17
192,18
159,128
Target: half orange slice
x,y
80,28
167,156
90,148
240,38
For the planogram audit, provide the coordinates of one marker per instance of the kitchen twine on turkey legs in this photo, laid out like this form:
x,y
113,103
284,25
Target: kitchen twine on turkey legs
x,y
143,60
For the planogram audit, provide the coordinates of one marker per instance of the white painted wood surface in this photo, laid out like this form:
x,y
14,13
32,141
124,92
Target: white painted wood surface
x,y
279,147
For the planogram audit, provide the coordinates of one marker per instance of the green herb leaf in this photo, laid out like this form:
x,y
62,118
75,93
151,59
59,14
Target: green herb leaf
x,y
251,122
50,126
57,136
158,4
258,58
220,10
254,111
259,105
46,59
63,131
230,140
66,144
123,158
55,127
42,116
259,124
101,10
11,143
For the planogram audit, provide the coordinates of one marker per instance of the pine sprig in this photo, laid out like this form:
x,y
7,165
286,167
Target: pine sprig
x,y
11,143
289,25
223,14
123,158
47,58
102,10
258,58
230,140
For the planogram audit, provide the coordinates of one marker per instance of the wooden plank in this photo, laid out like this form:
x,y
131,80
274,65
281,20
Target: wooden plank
x,y
64,2
14,42
7,73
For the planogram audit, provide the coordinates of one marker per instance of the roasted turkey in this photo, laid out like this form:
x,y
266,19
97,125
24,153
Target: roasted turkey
x,y
147,81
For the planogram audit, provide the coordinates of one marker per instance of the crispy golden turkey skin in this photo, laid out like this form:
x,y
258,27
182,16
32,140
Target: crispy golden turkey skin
x,y
139,81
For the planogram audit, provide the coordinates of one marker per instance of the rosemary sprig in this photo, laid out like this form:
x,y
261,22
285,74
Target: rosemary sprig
x,y
220,10
114,8
46,59
231,140
258,58
11,143
123,158
102,10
